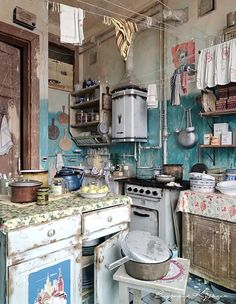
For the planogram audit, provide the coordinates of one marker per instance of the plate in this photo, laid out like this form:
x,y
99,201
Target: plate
x,y
93,195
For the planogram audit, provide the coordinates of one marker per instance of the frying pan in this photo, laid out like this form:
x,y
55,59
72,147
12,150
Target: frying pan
x,y
63,117
53,131
65,143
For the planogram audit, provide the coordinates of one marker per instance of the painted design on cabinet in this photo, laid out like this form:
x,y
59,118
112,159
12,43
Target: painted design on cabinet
x,y
50,285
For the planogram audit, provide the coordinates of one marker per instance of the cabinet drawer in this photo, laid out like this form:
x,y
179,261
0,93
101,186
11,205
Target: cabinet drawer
x,y
35,236
105,218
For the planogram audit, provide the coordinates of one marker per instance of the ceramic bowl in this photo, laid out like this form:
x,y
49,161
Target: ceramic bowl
x,y
165,178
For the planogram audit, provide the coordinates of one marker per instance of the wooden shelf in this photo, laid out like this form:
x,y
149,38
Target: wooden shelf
x,y
219,113
85,90
86,124
86,104
217,146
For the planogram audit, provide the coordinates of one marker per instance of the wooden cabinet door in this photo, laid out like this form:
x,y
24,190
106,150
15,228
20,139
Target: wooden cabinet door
x,y
229,253
105,288
53,278
205,244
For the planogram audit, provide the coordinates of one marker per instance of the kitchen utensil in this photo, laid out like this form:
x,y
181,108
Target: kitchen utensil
x,y
165,178
73,178
63,117
175,170
65,143
24,191
38,174
187,138
148,256
53,130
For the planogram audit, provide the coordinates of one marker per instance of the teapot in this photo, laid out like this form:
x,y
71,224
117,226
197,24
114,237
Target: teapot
x,y
73,178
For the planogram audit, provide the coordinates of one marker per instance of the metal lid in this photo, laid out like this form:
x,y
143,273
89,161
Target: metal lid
x,y
25,183
143,247
34,171
126,92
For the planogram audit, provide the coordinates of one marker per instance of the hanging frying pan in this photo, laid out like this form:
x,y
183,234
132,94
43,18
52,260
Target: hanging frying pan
x,y
53,131
63,117
65,143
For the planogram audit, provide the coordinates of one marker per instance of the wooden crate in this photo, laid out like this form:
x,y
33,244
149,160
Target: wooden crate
x,y
60,75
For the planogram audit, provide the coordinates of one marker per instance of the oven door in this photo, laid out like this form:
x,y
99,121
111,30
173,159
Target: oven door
x,y
144,219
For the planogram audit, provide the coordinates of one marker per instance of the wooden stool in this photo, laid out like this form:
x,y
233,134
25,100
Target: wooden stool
x,y
174,284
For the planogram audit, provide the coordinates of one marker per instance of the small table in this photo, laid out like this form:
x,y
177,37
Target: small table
x,y
173,284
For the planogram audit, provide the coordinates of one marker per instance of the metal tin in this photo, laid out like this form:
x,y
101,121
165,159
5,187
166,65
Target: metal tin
x,y
231,19
42,196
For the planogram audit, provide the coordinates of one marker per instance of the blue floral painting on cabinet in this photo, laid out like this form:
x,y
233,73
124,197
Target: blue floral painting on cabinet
x,y
50,285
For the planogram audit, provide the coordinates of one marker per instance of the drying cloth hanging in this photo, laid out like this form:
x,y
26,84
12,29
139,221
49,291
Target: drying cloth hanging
x,y
59,162
124,31
176,89
217,65
71,24
5,137
152,99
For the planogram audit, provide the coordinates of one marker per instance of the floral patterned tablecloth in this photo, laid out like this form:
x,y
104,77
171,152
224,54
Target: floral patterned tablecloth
x,y
214,205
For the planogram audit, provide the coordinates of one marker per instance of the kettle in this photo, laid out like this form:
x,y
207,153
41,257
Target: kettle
x,y
73,178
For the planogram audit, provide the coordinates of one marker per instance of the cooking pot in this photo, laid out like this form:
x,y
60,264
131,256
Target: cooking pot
x,y
37,174
146,257
73,178
187,137
24,191
175,170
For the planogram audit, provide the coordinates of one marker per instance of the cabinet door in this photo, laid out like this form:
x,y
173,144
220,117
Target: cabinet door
x,y
205,244
105,288
54,278
229,253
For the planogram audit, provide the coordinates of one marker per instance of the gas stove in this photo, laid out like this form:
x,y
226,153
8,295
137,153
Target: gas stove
x,y
153,183
143,191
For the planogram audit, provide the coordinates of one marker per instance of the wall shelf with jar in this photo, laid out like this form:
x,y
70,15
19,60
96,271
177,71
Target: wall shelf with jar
x,y
90,116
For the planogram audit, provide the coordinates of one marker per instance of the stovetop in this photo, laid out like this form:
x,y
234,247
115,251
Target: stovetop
x,y
155,184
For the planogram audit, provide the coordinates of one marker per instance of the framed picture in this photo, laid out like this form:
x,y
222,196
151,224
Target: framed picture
x,y
205,6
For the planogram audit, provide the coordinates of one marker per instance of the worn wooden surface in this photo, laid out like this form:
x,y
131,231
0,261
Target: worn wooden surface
x,y
210,244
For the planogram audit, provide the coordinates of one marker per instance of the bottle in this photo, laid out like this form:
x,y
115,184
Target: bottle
x,y
126,170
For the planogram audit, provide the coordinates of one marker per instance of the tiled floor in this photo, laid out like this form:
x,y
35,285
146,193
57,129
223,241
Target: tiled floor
x,y
197,292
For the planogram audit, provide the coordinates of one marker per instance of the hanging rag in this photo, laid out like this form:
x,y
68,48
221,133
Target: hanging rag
x,y
59,162
152,99
5,137
217,65
176,89
71,24
124,32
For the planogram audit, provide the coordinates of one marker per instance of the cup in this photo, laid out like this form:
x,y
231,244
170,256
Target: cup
x,y
207,138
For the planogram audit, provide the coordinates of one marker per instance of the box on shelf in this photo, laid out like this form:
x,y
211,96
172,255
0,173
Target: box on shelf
x,y
231,104
221,104
222,93
226,138
220,128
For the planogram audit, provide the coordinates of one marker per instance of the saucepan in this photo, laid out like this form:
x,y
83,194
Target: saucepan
x,y
146,257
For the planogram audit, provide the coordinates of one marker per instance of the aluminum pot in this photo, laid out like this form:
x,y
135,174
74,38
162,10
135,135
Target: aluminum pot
x,y
24,191
148,271
175,170
36,174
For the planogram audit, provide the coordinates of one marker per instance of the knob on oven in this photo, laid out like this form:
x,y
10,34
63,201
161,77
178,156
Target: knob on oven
x,y
135,190
154,193
141,191
148,191
129,189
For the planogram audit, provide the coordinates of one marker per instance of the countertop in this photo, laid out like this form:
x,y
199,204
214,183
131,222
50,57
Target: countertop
x,y
13,216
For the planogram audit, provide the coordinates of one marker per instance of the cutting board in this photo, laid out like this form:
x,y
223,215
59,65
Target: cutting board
x,y
53,130
65,143
63,117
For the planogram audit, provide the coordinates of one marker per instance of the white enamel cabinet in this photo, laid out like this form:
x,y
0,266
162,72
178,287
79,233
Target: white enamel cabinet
x,y
42,263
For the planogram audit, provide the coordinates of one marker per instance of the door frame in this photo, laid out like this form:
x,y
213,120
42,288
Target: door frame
x,y
28,42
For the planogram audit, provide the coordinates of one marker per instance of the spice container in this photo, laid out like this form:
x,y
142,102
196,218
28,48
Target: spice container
x,y
57,186
42,196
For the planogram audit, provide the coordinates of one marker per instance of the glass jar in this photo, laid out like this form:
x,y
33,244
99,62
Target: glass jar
x,y
57,187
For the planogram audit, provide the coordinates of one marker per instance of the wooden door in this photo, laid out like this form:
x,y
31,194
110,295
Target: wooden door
x,y
53,278
10,103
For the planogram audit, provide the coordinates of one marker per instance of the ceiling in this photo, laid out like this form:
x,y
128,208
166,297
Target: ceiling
x,y
96,9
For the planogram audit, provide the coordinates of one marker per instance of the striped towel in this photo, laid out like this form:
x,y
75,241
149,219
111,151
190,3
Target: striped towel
x,y
124,31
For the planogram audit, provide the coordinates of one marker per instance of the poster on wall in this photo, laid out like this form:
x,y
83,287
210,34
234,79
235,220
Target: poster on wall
x,y
183,57
50,285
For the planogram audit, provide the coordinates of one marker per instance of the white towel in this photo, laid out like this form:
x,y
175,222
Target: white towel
x,y
152,99
71,24
59,162
5,137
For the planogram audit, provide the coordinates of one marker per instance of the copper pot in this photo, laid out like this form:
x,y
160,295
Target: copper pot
x,y
24,191
175,170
